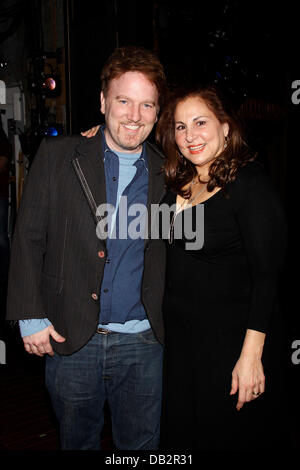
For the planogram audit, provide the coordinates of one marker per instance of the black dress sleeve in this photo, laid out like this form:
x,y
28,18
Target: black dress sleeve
x,y
262,222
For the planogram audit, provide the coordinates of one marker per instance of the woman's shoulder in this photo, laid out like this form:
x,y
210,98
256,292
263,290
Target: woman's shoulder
x,y
251,171
253,182
253,174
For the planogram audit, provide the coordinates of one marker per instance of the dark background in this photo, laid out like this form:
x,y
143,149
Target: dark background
x,y
250,49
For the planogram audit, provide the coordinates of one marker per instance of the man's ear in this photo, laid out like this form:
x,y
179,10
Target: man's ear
x,y
102,103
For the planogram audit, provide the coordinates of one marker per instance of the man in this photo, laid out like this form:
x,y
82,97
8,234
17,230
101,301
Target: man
x,y
96,302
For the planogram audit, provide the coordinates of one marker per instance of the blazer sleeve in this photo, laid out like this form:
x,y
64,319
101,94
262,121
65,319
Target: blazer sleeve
x,y
262,223
24,299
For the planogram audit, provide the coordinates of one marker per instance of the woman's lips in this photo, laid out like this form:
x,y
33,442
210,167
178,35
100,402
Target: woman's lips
x,y
196,148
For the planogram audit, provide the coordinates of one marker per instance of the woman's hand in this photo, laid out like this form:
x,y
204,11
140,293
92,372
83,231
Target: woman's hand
x,y
91,132
248,374
248,378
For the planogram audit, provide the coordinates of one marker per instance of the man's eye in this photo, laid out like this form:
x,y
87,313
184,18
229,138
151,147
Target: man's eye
x,y
149,106
201,123
123,101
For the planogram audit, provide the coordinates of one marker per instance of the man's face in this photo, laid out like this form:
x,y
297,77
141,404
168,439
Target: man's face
x,y
130,108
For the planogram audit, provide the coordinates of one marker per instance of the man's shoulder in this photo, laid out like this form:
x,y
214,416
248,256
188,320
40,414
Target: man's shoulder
x,y
63,141
59,148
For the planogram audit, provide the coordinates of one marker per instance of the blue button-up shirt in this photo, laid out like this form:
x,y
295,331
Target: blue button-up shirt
x,y
120,296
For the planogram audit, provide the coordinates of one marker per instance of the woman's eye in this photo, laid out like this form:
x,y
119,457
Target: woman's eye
x,y
148,106
179,128
201,123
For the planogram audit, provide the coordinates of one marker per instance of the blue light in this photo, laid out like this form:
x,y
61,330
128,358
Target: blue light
x,y
51,131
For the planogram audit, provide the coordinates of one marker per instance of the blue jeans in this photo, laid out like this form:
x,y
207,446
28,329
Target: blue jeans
x,y
125,369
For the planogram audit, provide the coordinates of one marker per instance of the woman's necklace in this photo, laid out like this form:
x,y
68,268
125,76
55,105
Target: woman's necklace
x,y
190,200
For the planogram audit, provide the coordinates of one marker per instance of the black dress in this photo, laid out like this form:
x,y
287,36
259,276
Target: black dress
x,y
212,296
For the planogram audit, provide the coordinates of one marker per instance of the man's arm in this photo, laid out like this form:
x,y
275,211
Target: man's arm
x,y
24,298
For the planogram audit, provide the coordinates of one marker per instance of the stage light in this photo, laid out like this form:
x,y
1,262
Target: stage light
x,y
47,85
51,131
51,85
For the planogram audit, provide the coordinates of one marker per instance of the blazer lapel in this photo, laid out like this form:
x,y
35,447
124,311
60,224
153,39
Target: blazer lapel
x,y
156,187
89,154
89,158
89,166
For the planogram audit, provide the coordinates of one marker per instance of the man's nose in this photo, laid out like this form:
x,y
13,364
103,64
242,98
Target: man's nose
x,y
134,113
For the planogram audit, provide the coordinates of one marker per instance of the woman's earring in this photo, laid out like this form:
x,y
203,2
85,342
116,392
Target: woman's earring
x,y
226,142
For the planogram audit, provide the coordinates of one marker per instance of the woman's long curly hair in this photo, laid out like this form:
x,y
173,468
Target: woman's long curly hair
x,y
179,170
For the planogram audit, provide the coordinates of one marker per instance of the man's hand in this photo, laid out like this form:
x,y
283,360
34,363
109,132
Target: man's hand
x,y
39,343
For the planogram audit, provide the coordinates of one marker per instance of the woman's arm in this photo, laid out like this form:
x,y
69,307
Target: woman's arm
x,y
262,223
90,132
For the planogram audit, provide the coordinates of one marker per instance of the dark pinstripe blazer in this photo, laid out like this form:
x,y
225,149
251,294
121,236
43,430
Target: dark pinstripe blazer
x,y
55,270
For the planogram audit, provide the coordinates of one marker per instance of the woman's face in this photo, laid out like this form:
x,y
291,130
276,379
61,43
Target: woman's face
x,y
199,135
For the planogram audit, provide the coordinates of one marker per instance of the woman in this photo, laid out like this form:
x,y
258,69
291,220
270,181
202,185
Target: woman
x,y
220,305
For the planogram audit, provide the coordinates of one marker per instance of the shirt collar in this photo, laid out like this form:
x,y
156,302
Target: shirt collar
x,y
141,160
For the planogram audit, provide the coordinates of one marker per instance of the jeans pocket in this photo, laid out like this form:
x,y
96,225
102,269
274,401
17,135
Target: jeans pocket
x,y
148,337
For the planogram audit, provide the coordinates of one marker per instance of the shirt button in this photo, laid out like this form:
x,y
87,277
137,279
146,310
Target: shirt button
x,y
114,178
105,290
94,296
107,260
101,254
